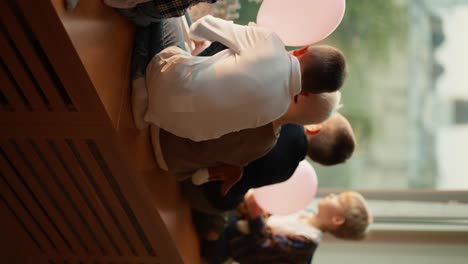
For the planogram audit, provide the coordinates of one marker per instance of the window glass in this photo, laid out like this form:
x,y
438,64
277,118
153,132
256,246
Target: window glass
x,y
406,94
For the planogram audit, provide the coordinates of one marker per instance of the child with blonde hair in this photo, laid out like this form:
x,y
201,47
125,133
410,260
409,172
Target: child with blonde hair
x,y
287,239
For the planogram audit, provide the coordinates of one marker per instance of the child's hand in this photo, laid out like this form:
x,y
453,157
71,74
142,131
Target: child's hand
x,y
212,236
241,210
253,208
199,46
243,227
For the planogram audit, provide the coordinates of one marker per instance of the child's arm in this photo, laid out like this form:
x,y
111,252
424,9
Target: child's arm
x,y
261,245
235,37
253,209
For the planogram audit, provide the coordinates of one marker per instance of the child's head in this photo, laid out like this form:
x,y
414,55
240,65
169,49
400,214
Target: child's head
x,y
331,142
313,108
345,215
323,68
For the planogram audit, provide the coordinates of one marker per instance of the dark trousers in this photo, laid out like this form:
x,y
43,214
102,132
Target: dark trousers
x,y
151,39
217,251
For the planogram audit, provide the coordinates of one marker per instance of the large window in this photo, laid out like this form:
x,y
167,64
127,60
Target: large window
x,y
406,94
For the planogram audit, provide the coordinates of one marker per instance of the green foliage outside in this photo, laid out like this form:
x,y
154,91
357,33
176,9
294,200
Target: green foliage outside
x,y
370,31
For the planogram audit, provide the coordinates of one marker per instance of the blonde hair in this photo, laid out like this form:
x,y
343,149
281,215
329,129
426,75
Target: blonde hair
x,y
325,105
357,218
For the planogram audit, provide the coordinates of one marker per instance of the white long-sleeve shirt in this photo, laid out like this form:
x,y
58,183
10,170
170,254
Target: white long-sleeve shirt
x,y
294,224
246,86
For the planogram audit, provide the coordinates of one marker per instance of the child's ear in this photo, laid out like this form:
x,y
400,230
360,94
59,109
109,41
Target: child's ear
x,y
313,130
300,51
337,220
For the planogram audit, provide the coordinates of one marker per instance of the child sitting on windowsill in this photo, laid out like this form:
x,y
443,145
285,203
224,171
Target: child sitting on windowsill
x,y
285,239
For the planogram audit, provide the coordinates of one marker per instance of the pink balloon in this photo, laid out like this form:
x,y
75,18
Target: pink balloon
x,y
301,22
289,196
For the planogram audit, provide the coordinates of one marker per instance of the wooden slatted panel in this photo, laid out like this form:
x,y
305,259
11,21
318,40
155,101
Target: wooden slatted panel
x,y
111,196
4,103
10,90
93,199
99,221
118,191
103,40
36,183
74,196
28,222
104,208
50,235
107,260
63,56
17,236
162,192
60,190
15,67
56,210
26,43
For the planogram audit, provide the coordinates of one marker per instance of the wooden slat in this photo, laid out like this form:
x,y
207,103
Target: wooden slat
x,y
100,98
32,59
27,50
106,60
62,189
110,195
58,119
45,131
20,75
54,213
11,94
90,192
17,235
49,233
98,218
64,60
110,259
27,221
57,211
158,190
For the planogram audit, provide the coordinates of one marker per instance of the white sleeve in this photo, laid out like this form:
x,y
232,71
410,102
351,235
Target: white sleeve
x,y
235,37
200,177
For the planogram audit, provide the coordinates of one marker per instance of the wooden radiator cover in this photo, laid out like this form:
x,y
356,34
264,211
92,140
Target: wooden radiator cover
x,y
73,170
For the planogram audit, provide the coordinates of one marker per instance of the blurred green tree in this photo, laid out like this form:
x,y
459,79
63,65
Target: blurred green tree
x,y
369,34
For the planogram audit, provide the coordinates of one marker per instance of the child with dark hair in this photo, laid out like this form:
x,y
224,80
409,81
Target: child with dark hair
x,y
333,140
223,158
253,82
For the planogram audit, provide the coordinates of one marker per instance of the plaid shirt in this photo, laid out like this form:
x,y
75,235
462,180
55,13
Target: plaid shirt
x,y
176,8
263,246
155,8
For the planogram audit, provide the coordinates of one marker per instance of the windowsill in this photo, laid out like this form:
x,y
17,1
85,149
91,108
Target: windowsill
x,y
384,227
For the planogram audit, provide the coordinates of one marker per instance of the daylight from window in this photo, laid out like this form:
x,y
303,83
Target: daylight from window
x,y
406,94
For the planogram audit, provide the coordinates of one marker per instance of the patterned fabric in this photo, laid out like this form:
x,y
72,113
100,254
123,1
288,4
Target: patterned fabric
x,y
263,246
176,8
145,12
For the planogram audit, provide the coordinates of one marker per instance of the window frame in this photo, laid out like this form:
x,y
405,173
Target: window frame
x,y
430,195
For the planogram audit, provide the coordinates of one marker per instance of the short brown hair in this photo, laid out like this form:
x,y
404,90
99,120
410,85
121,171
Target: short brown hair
x,y
334,144
357,218
323,69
